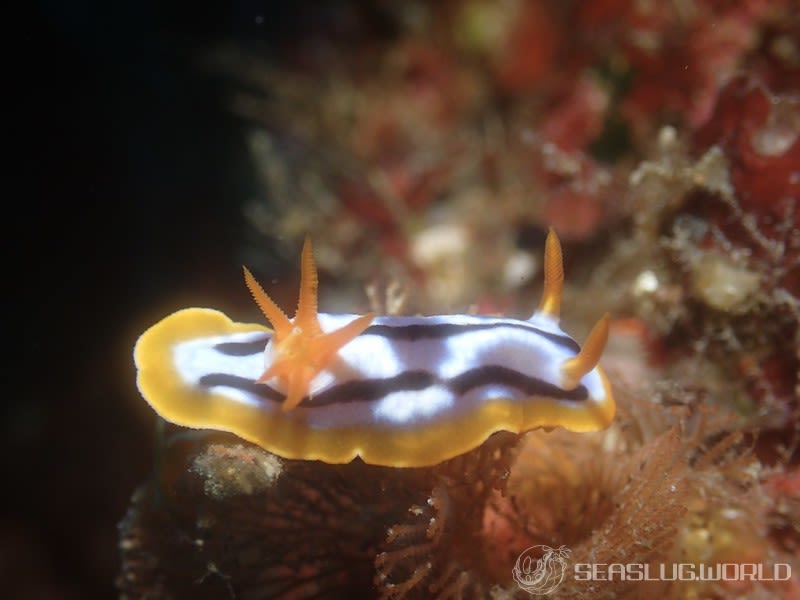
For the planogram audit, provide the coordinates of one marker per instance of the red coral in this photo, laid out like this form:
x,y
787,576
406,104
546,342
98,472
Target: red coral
x,y
678,57
431,82
399,191
577,188
776,60
574,214
578,118
530,49
673,57
783,487
760,136
735,241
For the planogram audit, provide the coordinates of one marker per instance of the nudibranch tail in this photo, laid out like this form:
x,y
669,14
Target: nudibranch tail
x,y
553,277
586,360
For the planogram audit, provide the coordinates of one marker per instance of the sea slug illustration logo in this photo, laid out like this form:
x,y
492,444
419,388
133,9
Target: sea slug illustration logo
x,y
541,575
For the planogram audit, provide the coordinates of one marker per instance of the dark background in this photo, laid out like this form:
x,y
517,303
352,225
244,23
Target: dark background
x,y
126,183
132,177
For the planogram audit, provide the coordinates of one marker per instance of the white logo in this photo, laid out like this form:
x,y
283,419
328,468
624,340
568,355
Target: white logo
x,y
541,575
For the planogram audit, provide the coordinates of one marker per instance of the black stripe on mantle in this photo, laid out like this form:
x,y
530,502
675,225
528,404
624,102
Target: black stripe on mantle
x,y
369,390
410,333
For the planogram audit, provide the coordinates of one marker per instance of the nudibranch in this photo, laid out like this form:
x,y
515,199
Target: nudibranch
x,y
394,391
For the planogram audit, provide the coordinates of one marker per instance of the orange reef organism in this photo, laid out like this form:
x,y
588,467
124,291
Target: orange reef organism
x,y
395,391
